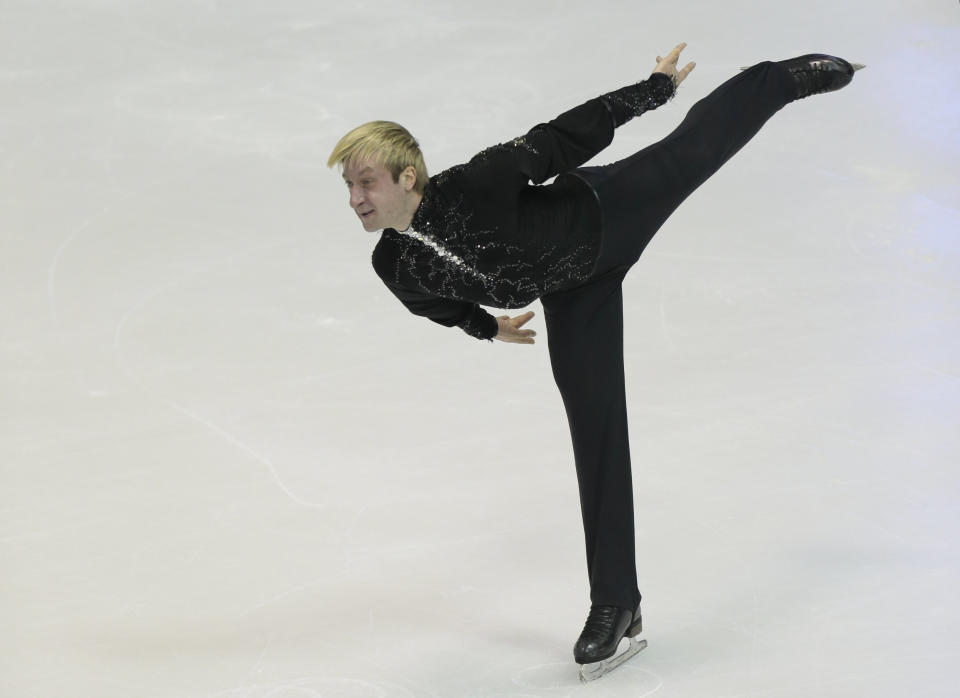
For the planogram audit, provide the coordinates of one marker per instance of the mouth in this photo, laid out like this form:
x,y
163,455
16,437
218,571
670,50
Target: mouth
x,y
365,215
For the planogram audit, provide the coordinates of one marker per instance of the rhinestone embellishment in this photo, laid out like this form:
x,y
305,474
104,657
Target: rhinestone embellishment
x,y
441,251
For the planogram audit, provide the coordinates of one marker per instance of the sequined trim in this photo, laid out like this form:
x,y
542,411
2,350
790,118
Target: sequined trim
x,y
476,329
442,251
634,100
522,142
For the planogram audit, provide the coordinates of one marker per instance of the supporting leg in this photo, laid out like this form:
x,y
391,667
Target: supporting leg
x,y
585,337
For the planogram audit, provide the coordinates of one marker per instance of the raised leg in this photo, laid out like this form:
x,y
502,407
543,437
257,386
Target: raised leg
x,y
639,193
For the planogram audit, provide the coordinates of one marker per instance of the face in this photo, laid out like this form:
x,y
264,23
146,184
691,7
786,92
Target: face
x,y
378,201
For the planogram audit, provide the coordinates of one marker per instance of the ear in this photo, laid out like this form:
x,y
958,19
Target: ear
x,y
408,178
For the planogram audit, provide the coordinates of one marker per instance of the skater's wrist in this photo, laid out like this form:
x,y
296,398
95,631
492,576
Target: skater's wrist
x,y
634,100
659,76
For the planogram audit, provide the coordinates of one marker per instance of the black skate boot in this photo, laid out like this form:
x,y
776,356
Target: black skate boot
x,y
605,627
816,73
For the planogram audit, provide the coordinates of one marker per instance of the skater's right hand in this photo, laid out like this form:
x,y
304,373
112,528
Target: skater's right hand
x,y
668,65
510,329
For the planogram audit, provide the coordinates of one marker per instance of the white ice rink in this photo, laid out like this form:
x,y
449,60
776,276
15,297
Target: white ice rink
x,y
232,465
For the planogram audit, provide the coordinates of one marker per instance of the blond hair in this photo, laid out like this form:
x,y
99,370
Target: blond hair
x,y
387,144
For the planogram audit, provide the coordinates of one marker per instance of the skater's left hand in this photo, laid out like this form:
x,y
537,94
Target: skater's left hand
x,y
668,65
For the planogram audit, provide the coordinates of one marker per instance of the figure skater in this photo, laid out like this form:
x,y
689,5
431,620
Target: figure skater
x,y
480,233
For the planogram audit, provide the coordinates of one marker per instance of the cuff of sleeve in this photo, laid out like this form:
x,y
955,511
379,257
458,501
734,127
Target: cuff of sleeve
x,y
480,324
664,79
634,100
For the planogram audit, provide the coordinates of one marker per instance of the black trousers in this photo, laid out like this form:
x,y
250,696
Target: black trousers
x,y
585,323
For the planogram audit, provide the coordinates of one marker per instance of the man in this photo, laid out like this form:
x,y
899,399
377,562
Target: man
x,y
481,233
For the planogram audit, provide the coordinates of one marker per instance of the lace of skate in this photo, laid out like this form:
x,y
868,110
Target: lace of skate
x,y
810,79
600,621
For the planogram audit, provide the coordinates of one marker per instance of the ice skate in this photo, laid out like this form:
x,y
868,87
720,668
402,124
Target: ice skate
x,y
816,73
596,648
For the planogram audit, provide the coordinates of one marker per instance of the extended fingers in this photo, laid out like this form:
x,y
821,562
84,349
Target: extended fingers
x,y
522,336
674,55
521,320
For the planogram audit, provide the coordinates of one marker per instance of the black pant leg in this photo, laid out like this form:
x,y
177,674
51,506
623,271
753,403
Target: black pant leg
x,y
585,324
585,337
639,193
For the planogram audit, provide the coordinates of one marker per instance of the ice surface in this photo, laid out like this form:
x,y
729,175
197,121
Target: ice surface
x,y
233,466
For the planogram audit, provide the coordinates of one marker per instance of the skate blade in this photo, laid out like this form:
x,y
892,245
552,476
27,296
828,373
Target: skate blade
x,y
592,672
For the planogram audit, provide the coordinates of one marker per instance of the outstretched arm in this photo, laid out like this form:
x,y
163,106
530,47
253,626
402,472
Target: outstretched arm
x,y
577,135
469,317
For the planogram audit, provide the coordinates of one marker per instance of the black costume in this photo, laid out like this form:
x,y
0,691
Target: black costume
x,y
483,234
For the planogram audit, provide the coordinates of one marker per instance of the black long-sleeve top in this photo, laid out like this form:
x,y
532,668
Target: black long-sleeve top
x,y
483,234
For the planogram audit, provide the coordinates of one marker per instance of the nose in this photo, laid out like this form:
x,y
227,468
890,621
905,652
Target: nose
x,y
356,197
